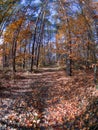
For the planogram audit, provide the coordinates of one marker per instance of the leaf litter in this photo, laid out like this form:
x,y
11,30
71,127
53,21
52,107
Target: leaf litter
x,y
48,100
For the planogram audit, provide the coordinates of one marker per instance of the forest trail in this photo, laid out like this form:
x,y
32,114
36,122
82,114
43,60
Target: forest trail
x,y
46,98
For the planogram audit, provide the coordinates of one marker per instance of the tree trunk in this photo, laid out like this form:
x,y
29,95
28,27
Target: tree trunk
x,y
14,46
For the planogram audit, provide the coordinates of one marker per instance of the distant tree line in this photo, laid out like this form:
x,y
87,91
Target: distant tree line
x,y
48,32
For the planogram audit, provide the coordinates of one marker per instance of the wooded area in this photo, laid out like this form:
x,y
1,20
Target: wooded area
x,y
48,65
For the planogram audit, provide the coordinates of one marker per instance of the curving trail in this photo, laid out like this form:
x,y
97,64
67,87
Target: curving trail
x,y
45,99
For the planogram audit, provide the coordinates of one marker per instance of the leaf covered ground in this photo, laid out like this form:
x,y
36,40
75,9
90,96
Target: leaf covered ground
x,y
48,100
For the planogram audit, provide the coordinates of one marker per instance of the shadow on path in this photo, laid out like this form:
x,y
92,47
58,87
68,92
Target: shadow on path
x,y
48,97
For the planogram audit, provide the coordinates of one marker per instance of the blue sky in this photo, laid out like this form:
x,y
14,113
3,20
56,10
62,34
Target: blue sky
x,y
24,1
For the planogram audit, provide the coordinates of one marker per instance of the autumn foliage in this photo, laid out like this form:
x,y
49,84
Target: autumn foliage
x,y
49,64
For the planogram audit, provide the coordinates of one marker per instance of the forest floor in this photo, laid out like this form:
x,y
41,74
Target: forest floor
x,y
48,100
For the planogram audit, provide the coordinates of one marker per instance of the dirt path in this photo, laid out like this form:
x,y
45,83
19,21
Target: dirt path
x,y
48,100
